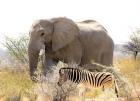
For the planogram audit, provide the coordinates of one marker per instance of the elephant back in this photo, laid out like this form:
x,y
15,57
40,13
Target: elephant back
x,y
91,24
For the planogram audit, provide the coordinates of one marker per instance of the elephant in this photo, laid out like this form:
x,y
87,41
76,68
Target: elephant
x,y
68,41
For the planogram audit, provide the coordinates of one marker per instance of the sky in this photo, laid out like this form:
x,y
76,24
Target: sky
x,y
119,17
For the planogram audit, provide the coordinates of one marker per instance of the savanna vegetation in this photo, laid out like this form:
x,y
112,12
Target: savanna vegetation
x,y
15,83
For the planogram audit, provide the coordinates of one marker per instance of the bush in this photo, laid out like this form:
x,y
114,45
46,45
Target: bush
x,y
17,47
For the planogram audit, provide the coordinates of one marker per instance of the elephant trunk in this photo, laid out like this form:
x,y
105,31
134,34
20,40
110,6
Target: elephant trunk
x,y
33,54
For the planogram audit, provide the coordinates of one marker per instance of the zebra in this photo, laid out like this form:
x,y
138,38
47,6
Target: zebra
x,y
89,79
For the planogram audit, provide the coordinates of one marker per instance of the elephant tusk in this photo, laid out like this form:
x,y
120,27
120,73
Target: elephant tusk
x,y
42,52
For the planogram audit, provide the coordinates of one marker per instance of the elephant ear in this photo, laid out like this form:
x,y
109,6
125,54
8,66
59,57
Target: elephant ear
x,y
65,31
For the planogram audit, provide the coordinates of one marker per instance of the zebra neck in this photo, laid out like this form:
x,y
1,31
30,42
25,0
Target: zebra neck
x,y
75,76
86,77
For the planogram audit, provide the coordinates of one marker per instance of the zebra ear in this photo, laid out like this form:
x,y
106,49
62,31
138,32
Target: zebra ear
x,y
61,72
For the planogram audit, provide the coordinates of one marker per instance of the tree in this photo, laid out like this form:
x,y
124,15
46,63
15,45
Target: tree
x,y
133,45
17,47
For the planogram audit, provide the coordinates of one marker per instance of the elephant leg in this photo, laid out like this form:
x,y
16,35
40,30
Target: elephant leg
x,y
107,58
96,58
48,63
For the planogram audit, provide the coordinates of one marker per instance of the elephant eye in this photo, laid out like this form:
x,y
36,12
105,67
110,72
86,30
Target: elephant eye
x,y
42,34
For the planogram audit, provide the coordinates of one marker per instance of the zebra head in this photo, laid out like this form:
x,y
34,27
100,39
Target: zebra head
x,y
62,77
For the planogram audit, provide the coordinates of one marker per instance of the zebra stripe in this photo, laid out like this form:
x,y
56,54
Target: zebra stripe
x,y
95,79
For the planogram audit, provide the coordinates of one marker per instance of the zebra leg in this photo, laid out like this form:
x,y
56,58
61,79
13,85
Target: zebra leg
x,y
82,93
116,89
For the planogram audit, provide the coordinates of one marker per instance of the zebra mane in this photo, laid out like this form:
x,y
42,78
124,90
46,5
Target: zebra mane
x,y
70,68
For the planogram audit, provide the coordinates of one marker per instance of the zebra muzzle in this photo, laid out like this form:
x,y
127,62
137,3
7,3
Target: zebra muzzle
x,y
59,84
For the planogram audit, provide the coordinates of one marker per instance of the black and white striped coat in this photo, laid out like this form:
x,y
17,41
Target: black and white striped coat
x,y
89,79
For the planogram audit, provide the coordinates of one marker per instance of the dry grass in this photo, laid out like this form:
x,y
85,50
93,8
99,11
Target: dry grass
x,y
15,85
130,69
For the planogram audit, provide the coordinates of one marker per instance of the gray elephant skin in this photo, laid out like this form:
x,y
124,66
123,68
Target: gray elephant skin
x,y
68,41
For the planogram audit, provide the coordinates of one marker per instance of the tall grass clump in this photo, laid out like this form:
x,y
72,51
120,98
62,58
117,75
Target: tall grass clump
x,y
48,85
130,69
14,82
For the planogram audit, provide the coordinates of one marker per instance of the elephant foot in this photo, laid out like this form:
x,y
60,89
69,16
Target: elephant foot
x,y
34,78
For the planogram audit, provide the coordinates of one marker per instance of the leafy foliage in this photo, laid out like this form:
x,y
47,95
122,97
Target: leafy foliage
x,y
133,45
17,48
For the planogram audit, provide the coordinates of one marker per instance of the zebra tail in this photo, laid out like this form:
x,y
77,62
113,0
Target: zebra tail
x,y
116,88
